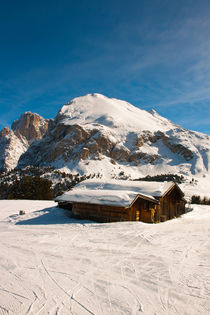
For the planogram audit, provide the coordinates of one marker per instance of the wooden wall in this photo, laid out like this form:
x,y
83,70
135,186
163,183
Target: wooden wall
x,y
141,210
100,213
171,205
65,205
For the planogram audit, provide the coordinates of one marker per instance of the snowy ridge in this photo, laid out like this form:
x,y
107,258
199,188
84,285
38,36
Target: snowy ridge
x,y
11,148
96,109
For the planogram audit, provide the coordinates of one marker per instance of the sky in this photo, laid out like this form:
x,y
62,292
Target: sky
x,y
154,54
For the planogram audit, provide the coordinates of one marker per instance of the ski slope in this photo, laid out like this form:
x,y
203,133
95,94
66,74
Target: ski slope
x,y
52,264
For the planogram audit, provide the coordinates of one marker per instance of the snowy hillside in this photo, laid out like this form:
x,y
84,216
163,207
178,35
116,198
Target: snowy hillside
x,y
52,264
96,134
11,148
96,110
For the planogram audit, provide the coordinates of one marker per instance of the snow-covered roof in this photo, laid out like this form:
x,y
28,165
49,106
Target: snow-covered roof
x,y
105,197
115,192
155,189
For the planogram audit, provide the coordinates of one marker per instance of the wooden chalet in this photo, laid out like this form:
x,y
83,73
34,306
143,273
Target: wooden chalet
x,y
124,201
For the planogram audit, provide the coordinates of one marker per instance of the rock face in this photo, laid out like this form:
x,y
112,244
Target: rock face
x,y
13,143
30,126
11,147
96,134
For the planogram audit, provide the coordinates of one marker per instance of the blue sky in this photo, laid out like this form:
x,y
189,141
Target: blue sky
x,y
152,53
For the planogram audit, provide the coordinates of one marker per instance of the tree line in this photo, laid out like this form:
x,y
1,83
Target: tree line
x,y
196,199
37,183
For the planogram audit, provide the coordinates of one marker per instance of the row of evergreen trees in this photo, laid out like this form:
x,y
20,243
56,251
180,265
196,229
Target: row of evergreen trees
x,y
37,183
195,199
34,188
163,177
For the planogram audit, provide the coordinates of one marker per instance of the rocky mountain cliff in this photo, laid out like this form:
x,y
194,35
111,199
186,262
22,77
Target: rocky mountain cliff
x,y
96,134
28,128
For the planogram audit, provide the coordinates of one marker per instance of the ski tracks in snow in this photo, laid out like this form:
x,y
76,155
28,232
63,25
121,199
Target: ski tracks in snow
x,y
100,269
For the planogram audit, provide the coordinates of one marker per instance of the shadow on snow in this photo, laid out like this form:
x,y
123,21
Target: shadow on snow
x,y
52,215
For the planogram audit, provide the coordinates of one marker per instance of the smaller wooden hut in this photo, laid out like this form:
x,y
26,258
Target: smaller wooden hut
x,y
124,201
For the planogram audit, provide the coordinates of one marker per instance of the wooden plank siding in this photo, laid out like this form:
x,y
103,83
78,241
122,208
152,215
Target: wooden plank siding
x,y
100,213
172,205
140,210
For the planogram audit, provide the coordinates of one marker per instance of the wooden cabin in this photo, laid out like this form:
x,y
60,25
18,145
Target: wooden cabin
x,y
124,201
171,204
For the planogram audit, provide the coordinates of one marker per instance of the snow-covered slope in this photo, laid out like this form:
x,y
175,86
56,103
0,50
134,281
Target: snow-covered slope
x,y
52,264
11,148
95,110
96,134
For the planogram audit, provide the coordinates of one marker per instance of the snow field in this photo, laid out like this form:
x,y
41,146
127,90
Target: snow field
x,y
52,264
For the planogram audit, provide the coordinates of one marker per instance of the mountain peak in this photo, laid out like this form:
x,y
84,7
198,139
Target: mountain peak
x,y
5,132
97,109
101,135
13,143
31,126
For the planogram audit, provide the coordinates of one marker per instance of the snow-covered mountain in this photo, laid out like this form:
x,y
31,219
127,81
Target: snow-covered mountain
x,y
96,134
13,143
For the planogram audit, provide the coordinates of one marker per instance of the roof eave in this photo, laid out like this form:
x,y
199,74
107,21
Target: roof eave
x,y
150,199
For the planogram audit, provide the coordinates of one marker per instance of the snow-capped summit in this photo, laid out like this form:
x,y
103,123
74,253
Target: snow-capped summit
x,y
97,134
96,109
